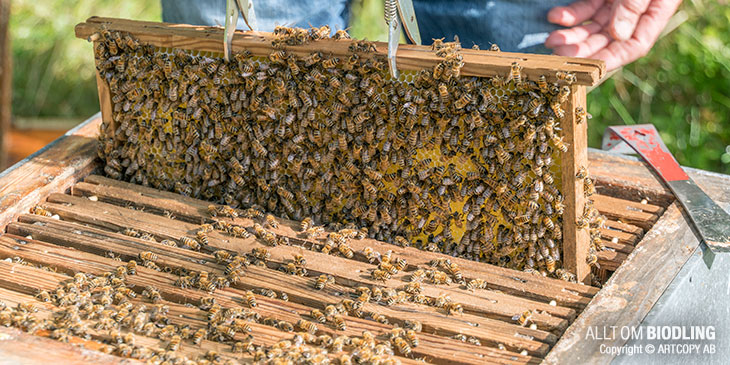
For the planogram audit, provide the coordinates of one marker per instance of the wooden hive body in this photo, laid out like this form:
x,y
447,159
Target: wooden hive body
x,y
482,64
86,236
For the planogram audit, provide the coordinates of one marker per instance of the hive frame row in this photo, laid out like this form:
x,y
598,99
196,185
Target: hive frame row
x,y
409,57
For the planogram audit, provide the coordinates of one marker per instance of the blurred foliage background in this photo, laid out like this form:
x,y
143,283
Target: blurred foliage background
x,y
681,86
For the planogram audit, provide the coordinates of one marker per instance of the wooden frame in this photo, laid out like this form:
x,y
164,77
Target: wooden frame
x,y
477,63
625,299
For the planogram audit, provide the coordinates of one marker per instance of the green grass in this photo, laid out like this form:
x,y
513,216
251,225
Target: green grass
x,y
681,86
53,72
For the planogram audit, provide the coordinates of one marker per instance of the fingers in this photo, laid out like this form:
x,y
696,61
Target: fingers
x,y
625,16
575,13
649,27
571,35
591,45
654,20
618,53
579,33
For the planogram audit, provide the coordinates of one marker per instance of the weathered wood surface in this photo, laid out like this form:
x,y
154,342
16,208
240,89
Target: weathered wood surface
x,y
52,169
636,285
409,57
193,210
630,292
299,289
575,241
111,211
20,348
492,304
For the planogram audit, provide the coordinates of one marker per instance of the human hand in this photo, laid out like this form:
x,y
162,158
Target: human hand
x,y
618,31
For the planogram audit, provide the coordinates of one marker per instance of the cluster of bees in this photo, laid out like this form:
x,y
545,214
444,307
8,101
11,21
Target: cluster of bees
x,y
462,165
105,307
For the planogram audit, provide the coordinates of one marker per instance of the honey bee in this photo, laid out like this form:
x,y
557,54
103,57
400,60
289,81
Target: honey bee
x,y
199,336
240,325
317,315
565,275
323,280
370,254
402,242
380,275
307,326
410,335
202,238
61,334
341,34
476,284
250,299
523,319
174,343
152,294
299,260
413,288
285,326
402,346
455,308
581,115
330,62
443,93
190,243
568,77
222,256
147,256
339,322
43,296
515,73
271,221
240,347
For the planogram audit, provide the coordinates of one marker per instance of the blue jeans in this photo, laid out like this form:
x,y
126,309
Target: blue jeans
x,y
515,25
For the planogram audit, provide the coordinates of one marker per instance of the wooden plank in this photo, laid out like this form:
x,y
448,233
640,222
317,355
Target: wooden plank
x,y
18,347
618,225
188,209
621,236
641,215
70,261
631,291
58,232
54,168
35,280
627,178
618,204
98,337
115,218
618,246
484,302
99,242
477,63
610,260
575,241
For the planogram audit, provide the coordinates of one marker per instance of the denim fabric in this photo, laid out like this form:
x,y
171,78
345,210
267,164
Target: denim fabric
x,y
270,13
515,25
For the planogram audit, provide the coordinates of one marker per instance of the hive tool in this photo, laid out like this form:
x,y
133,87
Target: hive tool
x,y
399,12
711,222
233,8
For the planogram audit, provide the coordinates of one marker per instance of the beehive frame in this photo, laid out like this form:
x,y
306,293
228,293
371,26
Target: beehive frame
x,y
476,63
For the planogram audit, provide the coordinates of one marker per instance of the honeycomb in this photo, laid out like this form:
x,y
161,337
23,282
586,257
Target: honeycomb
x,y
468,166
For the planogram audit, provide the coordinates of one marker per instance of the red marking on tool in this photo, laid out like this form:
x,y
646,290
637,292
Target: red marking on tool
x,y
655,152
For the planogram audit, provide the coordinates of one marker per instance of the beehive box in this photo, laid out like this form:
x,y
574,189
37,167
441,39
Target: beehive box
x,y
99,225
468,153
